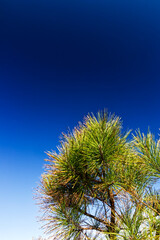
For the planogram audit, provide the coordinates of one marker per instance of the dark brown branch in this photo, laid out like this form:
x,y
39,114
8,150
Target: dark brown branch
x,y
102,158
94,217
92,228
112,205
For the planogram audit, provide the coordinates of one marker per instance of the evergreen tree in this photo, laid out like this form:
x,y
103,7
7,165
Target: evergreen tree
x,y
96,186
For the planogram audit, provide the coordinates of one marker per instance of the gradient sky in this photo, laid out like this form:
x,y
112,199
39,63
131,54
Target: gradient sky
x,y
60,60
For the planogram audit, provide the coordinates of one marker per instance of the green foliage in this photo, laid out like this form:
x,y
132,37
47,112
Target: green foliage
x,y
149,150
95,187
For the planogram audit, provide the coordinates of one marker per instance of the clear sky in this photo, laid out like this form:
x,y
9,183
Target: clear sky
x,y
60,60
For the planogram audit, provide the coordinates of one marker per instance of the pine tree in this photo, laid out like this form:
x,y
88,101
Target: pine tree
x,y
96,186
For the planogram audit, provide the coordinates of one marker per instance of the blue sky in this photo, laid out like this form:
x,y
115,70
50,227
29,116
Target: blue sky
x,y
60,60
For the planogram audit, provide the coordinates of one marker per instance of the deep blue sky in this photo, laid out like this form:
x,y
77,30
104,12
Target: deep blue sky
x,y
60,60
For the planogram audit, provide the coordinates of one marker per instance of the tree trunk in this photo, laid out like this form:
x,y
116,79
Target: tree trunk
x,y
113,219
